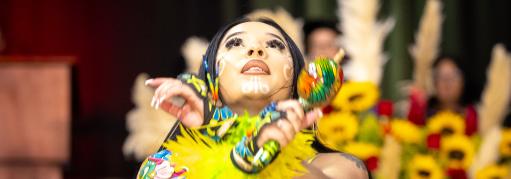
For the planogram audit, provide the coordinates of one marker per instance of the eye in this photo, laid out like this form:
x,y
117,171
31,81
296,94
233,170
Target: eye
x,y
275,44
234,42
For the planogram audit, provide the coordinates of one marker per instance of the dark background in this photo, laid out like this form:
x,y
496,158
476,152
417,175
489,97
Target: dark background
x,y
115,40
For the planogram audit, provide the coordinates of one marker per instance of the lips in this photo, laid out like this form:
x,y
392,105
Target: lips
x,y
255,67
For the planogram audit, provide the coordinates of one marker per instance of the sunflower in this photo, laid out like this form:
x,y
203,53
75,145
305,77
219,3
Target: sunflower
x,y
405,131
362,150
505,143
356,96
424,167
457,151
336,128
446,123
492,172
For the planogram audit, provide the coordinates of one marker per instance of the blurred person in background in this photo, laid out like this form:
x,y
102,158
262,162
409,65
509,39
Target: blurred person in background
x,y
321,39
449,83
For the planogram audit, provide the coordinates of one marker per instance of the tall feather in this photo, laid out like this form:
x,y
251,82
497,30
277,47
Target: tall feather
x,y
147,126
363,38
292,26
192,50
495,97
488,151
427,40
390,160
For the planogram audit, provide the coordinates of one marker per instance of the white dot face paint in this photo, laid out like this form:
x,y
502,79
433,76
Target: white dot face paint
x,y
220,66
255,85
287,72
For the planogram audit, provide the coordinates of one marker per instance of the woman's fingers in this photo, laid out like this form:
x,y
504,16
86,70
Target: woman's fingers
x,y
287,128
294,113
167,92
190,107
272,132
293,105
311,117
162,91
293,119
191,118
156,82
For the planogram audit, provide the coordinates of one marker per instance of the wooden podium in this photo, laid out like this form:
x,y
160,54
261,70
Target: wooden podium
x,y
35,105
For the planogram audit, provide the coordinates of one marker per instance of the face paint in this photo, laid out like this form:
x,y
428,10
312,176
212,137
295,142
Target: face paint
x,y
220,65
255,63
255,85
287,72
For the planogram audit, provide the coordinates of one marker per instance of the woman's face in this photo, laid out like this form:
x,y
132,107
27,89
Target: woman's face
x,y
254,63
322,43
448,82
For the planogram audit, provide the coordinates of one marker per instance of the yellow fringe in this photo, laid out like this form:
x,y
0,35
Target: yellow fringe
x,y
206,158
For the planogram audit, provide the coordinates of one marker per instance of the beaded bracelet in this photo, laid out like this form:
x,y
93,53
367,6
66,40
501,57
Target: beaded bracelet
x,y
246,155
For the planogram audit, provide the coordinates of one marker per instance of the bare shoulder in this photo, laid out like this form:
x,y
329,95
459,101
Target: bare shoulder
x,y
340,165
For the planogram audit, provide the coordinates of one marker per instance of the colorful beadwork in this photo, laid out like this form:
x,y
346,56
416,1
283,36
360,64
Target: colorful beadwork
x,y
213,83
159,166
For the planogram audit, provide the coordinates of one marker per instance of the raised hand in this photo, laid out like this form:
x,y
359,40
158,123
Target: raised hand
x,y
168,90
283,130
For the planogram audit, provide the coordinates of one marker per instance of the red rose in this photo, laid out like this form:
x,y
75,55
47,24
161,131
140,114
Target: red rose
x,y
327,109
372,163
417,111
385,108
470,120
433,141
457,173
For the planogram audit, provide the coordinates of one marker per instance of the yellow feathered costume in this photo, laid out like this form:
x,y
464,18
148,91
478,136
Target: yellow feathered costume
x,y
206,158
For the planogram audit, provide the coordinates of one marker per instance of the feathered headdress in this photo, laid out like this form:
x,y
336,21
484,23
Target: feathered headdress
x,y
363,38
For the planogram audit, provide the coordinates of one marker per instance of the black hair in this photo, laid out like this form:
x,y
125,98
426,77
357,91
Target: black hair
x,y
211,53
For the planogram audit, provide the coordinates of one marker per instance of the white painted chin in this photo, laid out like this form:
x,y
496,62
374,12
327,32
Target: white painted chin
x,y
255,85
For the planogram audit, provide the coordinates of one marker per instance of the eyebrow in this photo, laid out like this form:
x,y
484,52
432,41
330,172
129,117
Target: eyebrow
x,y
233,34
276,36
241,32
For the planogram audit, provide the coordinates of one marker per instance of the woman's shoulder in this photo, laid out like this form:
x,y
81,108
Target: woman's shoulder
x,y
339,165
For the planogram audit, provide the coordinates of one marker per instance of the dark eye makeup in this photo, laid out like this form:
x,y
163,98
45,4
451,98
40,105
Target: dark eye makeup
x,y
275,44
234,42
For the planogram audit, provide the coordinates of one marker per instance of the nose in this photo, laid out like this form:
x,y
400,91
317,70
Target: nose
x,y
256,52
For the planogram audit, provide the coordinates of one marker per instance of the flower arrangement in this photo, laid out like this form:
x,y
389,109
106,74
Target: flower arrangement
x,y
360,124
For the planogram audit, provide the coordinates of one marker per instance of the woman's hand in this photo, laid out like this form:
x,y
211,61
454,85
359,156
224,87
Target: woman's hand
x,y
191,113
283,130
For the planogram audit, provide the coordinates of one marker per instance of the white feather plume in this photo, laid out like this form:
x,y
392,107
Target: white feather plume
x,y
488,151
390,159
363,37
495,97
192,50
427,40
148,127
